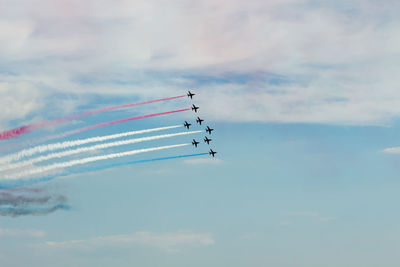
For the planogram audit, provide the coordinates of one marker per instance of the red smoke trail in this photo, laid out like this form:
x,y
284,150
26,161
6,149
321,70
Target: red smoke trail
x,y
14,133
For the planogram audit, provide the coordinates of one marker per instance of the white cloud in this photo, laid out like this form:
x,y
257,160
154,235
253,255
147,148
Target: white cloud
x,y
10,232
14,34
338,60
18,99
392,150
170,242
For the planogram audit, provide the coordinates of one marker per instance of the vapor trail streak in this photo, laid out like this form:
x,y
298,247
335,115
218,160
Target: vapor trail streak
x,y
14,133
91,148
102,167
112,123
84,161
67,144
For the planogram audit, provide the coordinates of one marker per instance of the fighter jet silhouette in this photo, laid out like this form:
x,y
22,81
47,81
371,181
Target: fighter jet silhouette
x,y
195,108
212,152
189,94
206,140
199,121
186,124
195,143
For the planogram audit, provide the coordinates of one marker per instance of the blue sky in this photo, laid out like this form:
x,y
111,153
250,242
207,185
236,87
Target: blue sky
x,y
296,194
304,101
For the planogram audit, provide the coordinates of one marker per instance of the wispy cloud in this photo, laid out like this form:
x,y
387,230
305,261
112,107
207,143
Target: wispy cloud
x,y
392,150
259,61
169,242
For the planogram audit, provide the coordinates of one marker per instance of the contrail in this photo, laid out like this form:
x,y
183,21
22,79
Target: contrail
x,y
102,167
91,148
67,144
119,121
109,123
14,133
14,184
84,161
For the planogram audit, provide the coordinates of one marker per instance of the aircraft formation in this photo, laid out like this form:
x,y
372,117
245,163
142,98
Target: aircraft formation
x,y
41,160
199,121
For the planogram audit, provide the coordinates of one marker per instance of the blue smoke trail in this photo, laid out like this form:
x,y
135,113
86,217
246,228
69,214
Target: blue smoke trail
x,y
5,185
138,161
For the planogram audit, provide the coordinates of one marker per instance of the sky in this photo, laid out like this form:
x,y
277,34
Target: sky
x,y
302,94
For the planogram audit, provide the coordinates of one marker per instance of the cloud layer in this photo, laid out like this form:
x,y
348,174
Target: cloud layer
x,y
280,61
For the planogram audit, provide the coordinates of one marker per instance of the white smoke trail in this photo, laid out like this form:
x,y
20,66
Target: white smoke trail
x,y
84,161
62,145
91,148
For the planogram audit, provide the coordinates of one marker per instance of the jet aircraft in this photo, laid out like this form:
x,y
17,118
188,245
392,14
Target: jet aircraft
x,y
209,130
195,108
186,124
212,152
195,143
189,94
199,121
206,140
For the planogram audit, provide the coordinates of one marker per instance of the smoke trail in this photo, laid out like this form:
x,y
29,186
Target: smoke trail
x,y
14,184
63,145
84,161
7,198
14,133
102,167
117,121
29,202
14,212
92,148
106,124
